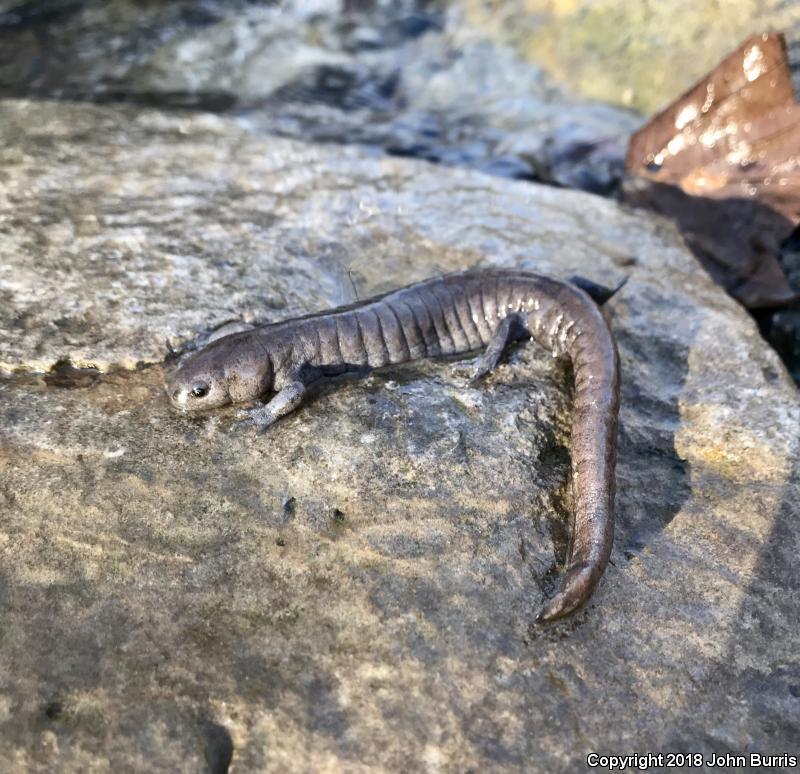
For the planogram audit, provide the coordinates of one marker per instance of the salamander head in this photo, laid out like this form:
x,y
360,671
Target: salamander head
x,y
228,371
199,383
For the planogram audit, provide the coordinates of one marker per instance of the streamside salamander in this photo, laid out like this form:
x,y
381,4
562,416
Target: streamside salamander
x,y
448,315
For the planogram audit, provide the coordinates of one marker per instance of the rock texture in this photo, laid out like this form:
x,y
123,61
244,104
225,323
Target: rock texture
x,y
125,228
353,590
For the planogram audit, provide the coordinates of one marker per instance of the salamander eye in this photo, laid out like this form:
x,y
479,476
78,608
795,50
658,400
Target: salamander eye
x,y
200,389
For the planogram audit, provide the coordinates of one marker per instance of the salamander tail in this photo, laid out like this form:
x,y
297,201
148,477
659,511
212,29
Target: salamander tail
x,y
576,587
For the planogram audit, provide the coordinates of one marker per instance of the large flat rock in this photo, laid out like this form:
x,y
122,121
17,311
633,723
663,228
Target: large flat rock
x,y
354,590
123,228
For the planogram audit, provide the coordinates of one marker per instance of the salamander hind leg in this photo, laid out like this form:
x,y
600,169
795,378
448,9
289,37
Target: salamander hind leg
x,y
512,328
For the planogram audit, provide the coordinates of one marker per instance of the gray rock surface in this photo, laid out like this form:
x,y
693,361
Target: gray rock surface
x,y
98,206
353,590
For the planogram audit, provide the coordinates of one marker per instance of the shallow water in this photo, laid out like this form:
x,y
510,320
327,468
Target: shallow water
x,y
409,79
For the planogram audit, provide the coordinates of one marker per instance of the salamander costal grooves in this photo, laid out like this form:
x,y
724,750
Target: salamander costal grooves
x,y
448,315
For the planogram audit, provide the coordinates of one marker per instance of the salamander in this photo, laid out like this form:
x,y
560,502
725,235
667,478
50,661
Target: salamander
x,y
447,315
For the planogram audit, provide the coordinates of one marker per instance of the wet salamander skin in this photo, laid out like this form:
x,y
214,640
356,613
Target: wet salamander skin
x,y
447,315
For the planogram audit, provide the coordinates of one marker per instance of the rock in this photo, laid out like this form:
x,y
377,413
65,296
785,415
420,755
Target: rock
x,y
639,54
356,587
104,275
98,268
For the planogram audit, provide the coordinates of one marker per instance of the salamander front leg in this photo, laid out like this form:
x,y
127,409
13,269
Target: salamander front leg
x,y
512,328
285,402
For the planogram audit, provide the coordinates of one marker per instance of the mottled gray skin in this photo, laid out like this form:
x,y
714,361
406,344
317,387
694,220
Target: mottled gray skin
x,y
448,315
